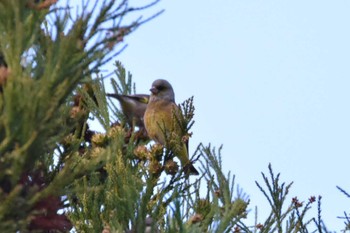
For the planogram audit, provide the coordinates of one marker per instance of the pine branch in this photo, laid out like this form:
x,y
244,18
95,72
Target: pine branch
x,y
46,54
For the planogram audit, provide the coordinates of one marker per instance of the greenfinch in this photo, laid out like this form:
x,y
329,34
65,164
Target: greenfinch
x,y
133,107
161,122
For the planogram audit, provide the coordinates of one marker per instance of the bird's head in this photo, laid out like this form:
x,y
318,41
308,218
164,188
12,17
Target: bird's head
x,y
162,90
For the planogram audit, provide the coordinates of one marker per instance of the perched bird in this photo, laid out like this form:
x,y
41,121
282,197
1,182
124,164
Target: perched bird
x,y
133,107
161,125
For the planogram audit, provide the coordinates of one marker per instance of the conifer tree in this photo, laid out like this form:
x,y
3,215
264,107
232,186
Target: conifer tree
x,y
58,175
48,56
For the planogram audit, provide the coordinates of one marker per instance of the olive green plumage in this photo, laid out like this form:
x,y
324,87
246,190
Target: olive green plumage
x,y
161,122
133,107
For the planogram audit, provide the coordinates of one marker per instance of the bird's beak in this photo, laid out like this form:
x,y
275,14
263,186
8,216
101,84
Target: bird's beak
x,y
154,90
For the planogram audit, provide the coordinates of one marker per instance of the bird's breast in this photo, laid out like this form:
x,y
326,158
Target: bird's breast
x,y
158,120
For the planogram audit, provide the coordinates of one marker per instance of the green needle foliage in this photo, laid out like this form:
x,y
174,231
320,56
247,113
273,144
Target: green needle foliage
x,y
47,55
58,175
138,182
346,216
287,214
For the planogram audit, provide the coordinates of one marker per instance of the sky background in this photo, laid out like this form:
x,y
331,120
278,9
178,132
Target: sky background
x,y
270,81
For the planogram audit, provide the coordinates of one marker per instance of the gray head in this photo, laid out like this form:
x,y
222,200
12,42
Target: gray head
x,y
162,90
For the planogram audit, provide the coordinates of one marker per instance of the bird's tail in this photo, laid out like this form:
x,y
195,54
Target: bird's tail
x,y
113,95
188,168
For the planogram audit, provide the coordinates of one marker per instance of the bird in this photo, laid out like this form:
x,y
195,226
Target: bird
x,y
133,107
160,123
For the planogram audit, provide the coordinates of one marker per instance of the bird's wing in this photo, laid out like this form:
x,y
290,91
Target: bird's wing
x,y
143,98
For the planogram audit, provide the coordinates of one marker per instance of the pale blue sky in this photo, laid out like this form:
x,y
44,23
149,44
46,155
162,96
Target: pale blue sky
x,y
271,83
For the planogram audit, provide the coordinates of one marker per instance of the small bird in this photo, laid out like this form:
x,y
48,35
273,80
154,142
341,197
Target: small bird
x,y
161,125
133,107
